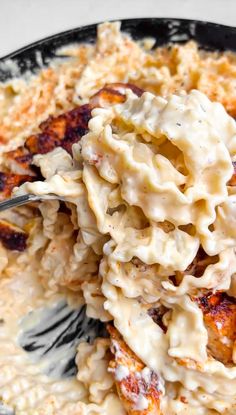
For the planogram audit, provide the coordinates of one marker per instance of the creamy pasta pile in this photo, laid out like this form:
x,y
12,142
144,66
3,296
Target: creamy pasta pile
x,y
148,197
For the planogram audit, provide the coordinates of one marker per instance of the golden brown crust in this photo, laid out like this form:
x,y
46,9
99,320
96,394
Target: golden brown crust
x,y
217,82
19,161
135,385
219,312
12,237
62,131
8,181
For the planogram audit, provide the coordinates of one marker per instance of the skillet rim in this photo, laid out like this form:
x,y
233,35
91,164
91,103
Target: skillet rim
x,y
209,35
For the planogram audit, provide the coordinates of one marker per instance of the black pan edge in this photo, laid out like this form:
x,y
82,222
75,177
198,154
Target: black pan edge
x,y
210,36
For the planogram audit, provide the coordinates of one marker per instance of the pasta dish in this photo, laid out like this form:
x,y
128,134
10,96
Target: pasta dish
x,y
140,143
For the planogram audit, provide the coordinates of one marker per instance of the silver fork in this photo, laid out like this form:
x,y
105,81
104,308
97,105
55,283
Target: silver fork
x,y
27,198
6,410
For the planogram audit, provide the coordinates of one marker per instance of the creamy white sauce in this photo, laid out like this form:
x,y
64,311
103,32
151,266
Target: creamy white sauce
x,y
121,372
141,403
146,168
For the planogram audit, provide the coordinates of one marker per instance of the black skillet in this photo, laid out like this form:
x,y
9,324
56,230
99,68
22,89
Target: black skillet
x,y
209,36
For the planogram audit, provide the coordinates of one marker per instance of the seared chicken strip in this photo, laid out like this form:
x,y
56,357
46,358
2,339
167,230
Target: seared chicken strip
x,y
8,181
139,388
61,131
19,161
65,129
12,237
219,311
112,94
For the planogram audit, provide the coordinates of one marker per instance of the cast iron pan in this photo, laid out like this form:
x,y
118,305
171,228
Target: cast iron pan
x,y
66,326
209,36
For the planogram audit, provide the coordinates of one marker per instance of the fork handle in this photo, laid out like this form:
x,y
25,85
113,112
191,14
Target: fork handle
x,y
18,201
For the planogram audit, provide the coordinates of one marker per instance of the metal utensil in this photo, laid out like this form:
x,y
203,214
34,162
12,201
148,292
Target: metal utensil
x,y
6,410
27,198
51,335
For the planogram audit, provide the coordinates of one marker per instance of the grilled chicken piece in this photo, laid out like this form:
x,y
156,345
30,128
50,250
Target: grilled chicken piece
x,y
65,129
61,131
219,311
19,161
139,387
112,94
122,88
8,181
12,237
68,128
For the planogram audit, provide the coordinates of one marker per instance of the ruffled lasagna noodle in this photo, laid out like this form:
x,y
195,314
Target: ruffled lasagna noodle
x,y
147,234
